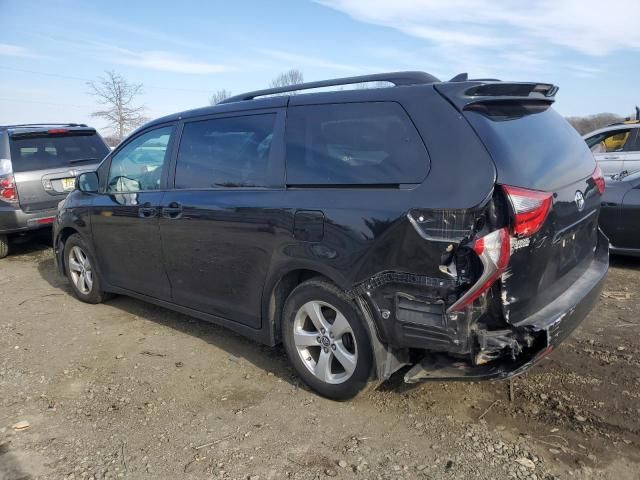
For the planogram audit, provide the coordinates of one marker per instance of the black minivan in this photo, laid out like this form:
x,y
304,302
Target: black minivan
x,y
447,227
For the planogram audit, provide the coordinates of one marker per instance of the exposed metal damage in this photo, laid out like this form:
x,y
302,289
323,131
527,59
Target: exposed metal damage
x,y
456,323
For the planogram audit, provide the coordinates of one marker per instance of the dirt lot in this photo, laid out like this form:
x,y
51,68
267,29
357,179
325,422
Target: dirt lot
x,y
130,390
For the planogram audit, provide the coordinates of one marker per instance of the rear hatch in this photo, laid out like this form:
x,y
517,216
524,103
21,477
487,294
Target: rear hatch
x,y
536,150
45,162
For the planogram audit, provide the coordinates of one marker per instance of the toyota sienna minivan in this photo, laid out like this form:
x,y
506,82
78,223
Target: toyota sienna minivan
x,y
450,228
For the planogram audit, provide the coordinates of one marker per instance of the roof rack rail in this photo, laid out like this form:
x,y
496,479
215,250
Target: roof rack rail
x,y
397,78
48,125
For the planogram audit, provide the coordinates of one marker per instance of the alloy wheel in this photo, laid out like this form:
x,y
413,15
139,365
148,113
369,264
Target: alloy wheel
x,y
80,270
325,342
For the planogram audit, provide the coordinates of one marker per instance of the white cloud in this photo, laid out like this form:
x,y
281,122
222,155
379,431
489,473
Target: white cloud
x,y
163,61
9,50
306,60
585,26
584,71
168,62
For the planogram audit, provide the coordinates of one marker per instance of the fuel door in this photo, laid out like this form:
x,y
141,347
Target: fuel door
x,y
308,225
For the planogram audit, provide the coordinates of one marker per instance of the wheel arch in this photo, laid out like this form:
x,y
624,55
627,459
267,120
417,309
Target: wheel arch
x,y
385,361
58,245
278,289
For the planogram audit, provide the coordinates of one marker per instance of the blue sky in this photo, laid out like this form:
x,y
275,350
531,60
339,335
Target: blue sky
x,y
184,51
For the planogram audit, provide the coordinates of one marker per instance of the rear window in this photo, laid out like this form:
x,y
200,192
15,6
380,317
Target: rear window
x,y
371,143
531,144
55,151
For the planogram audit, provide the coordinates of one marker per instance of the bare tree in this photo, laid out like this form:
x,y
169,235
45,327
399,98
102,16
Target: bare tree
x,y
111,140
593,122
369,85
219,96
290,77
118,97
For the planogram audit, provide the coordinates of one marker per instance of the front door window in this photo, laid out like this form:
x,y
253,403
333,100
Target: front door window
x,y
138,166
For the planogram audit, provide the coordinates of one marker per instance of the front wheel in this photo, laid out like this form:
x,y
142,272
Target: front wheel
x,y
325,337
81,272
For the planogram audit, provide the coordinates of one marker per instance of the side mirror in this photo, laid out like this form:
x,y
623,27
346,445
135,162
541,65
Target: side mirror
x,y
87,182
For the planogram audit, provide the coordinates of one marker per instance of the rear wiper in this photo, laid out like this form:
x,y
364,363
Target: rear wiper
x,y
78,160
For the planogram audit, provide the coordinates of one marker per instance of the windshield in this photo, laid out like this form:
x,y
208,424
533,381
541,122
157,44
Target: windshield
x,y
56,151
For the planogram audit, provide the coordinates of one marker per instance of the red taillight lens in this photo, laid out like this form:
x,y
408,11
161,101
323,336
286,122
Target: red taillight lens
x,y
8,191
598,179
57,131
530,209
494,251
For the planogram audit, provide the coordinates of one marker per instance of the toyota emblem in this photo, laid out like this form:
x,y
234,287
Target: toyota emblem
x,y
579,199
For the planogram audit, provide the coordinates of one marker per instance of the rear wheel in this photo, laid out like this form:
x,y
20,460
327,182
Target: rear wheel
x,y
4,246
81,272
325,338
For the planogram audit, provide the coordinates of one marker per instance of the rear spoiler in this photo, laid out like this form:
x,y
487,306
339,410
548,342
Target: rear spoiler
x,y
464,94
50,132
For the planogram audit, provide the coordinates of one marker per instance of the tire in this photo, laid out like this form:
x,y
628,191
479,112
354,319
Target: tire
x,y
80,268
336,364
4,246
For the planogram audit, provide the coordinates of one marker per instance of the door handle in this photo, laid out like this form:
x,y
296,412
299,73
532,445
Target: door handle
x,y
174,210
612,157
147,211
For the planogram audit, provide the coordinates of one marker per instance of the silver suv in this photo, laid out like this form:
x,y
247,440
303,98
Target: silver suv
x,y
616,147
38,167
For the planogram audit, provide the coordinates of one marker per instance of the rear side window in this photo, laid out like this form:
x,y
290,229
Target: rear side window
x,y
613,141
353,144
633,144
225,152
55,151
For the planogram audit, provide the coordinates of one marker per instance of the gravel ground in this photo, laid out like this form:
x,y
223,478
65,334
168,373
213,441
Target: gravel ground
x,y
130,390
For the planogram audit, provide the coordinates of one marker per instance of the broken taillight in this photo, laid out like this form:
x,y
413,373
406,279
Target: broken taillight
x,y
598,179
494,251
8,190
530,209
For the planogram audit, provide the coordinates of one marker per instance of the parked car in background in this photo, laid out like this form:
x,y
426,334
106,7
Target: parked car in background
x,y
616,148
620,214
420,224
38,167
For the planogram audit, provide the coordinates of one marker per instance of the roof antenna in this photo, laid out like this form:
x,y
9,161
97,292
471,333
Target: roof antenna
x,y
461,77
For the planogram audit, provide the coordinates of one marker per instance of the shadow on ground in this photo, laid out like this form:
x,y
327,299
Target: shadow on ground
x,y
10,468
29,243
620,261
270,359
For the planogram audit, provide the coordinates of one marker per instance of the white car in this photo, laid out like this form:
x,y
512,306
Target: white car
x,y
616,148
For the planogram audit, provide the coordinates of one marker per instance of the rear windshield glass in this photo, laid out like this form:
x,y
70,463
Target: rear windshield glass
x,y
353,144
532,145
42,153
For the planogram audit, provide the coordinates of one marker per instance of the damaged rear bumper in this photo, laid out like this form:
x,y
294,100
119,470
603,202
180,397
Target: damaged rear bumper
x,y
550,325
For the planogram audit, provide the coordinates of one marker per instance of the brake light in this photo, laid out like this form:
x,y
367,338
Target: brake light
x,y
8,190
54,131
494,251
598,179
530,209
